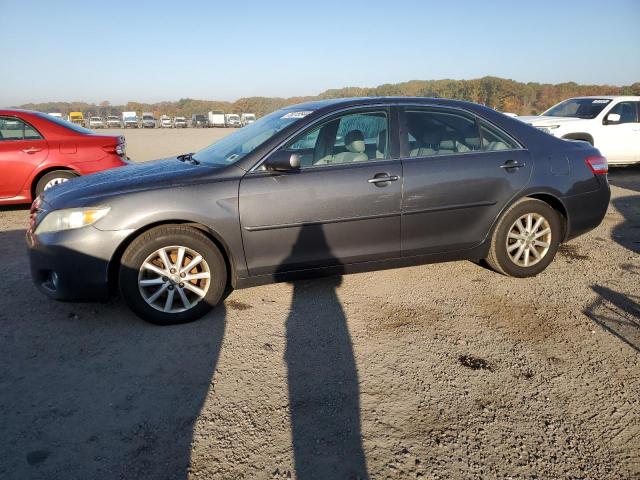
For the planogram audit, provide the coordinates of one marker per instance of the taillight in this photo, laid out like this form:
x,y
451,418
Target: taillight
x,y
598,165
119,148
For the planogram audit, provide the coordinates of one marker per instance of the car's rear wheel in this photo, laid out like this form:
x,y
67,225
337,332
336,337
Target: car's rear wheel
x,y
172,274
526,239
52,179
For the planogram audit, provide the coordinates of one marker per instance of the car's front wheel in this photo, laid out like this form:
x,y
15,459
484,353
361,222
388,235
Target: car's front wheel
x,y
526,239
172,274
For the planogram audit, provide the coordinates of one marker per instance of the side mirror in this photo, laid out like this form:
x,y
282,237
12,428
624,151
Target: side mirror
x,y
283,161
612,118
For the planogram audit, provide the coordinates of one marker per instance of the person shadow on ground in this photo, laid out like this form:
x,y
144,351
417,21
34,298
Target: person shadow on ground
x,y
322,376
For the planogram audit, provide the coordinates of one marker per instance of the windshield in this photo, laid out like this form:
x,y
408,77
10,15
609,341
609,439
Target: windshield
x,y
233,147
578,108
147,117
94,119
65,124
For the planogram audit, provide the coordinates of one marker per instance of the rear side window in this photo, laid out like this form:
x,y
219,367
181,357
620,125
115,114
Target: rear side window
x,y
12,128
493,140
434,132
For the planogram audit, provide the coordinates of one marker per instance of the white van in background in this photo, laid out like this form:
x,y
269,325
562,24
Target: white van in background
x,y
232,120
247,118
148,120
217,119
130,119
165,122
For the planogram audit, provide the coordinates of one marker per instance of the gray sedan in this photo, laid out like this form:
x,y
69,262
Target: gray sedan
x,y
328,187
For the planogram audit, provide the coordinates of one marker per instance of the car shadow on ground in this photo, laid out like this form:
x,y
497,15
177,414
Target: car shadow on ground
x,y
625,177
617,312
13,208
627,233
90,390
323,384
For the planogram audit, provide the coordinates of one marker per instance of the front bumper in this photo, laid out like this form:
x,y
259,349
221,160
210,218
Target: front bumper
x,y
73,264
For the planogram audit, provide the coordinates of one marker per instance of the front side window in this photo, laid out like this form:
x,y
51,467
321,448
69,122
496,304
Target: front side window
x,y
434,132
350,138
12,128
628,112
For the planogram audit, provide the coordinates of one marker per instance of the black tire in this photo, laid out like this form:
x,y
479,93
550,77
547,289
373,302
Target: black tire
x,y
165,236
500,260
62,175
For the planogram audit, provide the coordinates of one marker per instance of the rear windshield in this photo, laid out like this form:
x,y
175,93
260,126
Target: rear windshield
x,y
65,124
578,108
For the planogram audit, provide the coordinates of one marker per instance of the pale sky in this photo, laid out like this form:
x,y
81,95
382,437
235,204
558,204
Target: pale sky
x,y
150,51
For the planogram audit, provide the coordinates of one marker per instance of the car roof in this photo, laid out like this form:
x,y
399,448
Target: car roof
x,y
317,104
610,97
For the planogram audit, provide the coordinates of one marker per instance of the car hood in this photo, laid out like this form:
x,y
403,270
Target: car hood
x,y
91,189
542,121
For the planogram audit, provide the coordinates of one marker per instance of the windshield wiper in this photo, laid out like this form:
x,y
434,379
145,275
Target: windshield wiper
x,y
188,157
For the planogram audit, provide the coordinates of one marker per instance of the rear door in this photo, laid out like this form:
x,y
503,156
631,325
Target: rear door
x,y
458,175
22,149
335,209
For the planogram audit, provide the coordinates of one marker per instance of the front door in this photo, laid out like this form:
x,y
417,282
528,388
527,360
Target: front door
x,y
458,175
342,206
22,149
620,141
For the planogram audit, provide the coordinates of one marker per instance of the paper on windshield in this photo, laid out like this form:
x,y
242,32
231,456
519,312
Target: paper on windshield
x,y
300,114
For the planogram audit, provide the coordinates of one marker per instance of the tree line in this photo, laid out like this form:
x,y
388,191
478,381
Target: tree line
x,y
499,93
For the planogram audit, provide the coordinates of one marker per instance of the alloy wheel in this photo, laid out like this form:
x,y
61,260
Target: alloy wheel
x,y
55,181
528,240
174,279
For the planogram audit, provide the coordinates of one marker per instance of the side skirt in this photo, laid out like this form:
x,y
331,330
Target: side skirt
x,y
475,253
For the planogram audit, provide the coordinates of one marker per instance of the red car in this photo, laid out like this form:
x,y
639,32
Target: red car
x,y
38,151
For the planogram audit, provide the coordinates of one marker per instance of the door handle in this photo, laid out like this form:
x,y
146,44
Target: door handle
x,y
383,179
31,150
513,164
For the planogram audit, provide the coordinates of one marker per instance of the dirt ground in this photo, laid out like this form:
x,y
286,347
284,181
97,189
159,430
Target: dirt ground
x,y
444,371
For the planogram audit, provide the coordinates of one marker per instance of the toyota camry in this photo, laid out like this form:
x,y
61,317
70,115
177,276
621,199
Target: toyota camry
x,y
328,187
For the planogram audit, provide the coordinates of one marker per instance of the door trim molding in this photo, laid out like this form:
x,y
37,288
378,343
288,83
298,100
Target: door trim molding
x,y
449,207
259,228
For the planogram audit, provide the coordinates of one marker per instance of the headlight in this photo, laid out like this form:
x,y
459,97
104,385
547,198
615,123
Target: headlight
x,y
548,128
70,218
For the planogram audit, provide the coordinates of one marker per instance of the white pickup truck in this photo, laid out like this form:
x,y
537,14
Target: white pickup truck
x,y
609,123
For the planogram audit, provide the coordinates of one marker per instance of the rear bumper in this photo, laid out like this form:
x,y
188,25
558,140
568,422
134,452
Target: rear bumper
x,y
105,163
73,264
587,210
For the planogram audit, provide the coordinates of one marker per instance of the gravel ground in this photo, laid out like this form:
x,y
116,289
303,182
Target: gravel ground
x,y
440,372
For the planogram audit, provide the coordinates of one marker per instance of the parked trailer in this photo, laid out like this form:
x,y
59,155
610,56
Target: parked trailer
x,y
217,119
